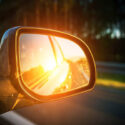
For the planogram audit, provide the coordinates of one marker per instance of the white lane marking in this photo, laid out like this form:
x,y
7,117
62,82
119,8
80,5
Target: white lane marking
x,y
85,75
16,119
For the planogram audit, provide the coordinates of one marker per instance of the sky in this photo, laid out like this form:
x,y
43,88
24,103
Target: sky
x,y
35,50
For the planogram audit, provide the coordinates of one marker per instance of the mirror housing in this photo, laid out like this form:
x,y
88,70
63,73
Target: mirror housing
x,y
9,54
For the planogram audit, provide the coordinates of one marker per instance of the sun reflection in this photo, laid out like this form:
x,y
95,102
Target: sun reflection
x,y
50,65
54,68
55,80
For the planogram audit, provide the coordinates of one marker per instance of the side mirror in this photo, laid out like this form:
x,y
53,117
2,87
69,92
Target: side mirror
x,y
45,64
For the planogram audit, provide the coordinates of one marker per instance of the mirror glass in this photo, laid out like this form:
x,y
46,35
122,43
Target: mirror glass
x,y
52,65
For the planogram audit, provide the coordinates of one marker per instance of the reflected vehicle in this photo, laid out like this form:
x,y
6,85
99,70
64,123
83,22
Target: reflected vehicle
x,y
52,65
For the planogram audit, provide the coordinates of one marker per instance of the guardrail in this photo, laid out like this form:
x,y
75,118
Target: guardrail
x,y
111,67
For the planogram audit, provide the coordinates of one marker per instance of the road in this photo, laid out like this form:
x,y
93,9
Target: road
x,y
102,106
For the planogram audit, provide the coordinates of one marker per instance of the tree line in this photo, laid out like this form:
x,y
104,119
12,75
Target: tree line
x,y
92,20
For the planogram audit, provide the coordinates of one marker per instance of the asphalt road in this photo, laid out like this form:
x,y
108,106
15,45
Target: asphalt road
x,y
102,106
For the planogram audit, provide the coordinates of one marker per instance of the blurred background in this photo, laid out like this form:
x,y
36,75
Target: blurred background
x,y
101,24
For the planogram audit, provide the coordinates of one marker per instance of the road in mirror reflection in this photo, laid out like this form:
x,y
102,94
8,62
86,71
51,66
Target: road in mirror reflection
x,y
52,65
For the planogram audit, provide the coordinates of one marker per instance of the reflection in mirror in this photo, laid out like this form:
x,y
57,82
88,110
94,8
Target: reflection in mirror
x,y
52,65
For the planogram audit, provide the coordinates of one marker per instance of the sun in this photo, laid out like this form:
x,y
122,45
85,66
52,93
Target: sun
x,y
49,65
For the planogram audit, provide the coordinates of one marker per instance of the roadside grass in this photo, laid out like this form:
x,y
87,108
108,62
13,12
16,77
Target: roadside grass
x,y
111,80
110,76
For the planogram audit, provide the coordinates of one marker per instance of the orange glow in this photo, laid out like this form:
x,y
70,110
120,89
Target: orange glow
x,y
52,65
55,80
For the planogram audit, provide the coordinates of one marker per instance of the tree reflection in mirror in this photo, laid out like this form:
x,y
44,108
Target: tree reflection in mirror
x,y
52,65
